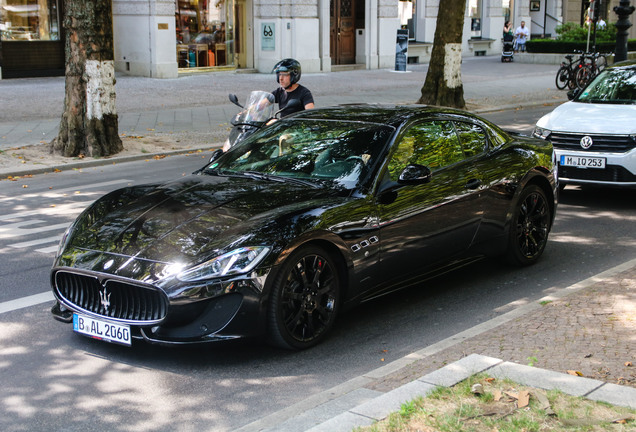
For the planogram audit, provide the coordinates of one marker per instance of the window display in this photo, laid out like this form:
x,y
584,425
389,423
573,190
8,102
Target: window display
x,y
204,33
29,20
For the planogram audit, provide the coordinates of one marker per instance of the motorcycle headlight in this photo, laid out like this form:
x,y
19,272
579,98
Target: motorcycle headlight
x,y
238,261
226,145
541,132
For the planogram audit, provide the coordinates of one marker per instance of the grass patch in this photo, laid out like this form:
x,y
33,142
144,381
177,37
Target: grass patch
x,y
483,404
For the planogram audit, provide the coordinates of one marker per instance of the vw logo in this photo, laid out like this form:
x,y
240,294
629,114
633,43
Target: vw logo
x,y
586,142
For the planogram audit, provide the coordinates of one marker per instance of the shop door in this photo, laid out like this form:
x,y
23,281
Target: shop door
x,y
342,34
240,34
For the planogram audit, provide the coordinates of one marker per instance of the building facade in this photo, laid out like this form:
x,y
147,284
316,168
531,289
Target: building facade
x,y
160,38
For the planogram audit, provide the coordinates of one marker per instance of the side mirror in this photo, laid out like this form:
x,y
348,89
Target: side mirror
x,y
215,155
415,174
573,93
234,100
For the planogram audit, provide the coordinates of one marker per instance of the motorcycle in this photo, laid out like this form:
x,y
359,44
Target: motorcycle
x,y
257,112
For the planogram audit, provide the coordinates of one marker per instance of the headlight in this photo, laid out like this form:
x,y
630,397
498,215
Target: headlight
x,y
238,261
541,132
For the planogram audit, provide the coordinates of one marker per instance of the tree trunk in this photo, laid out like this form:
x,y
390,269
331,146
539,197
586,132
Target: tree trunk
x,y
443,84
89,122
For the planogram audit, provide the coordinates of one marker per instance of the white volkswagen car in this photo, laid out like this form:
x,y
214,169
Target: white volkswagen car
x,y
594,134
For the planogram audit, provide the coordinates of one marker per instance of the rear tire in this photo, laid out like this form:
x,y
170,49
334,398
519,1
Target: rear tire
x,y
530,227
305,299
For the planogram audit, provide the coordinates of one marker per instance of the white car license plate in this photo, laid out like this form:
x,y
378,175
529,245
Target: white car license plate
x,y
102,330
583,161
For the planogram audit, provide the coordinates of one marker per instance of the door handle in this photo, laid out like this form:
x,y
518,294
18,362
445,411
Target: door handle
x,y
473,184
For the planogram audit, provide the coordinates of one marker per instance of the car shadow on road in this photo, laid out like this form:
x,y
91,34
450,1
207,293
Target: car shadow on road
x,y
596,197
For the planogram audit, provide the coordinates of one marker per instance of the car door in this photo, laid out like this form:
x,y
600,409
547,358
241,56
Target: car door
x,y
424,224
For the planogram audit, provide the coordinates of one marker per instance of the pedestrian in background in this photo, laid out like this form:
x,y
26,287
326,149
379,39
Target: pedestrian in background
x,y
522,34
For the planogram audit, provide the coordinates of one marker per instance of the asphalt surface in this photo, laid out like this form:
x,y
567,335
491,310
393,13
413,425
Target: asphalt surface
x,y
587,329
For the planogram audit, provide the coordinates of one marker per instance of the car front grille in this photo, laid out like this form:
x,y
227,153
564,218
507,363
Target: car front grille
x,y
601,143
612,173
111,298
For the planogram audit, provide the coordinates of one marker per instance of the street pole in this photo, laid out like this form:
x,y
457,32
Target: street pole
x,y
623,10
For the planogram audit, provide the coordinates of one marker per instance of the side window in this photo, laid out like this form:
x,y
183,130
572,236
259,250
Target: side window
x,y
472,137
433,144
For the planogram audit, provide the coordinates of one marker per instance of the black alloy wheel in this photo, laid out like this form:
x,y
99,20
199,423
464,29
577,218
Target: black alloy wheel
x,y
305,299
530,227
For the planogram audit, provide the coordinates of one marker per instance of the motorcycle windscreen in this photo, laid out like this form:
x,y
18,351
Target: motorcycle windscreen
x,y
258,109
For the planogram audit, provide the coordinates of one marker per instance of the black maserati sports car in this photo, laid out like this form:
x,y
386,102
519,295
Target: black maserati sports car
x,y
310,215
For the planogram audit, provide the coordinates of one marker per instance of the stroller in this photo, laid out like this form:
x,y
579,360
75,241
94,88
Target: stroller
x,y
507,55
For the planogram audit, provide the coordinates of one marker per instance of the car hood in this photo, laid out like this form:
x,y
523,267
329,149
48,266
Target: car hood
x,y
187,220
591,118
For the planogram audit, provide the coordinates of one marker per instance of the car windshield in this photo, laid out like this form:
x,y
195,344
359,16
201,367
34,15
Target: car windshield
x,y
613,86
340,152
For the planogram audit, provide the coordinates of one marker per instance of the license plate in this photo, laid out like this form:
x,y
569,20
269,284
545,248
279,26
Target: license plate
x,y
583,161
101,330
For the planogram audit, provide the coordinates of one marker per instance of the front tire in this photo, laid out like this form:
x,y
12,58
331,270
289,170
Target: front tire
x,y
305,299
530,227
583,76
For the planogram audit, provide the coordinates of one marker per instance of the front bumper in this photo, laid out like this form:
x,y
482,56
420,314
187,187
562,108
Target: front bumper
x,y
233,313
620,169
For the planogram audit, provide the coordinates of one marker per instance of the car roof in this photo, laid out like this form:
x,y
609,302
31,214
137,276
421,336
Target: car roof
x,y
392,115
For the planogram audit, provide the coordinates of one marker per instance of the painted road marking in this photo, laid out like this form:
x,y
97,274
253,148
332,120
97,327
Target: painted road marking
x,y
59,193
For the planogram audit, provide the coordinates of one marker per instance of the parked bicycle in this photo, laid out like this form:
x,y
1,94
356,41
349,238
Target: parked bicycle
x,y
566,75
591,65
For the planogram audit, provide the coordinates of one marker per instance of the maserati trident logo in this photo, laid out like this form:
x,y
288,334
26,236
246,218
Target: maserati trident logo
x,y
104,299
586,142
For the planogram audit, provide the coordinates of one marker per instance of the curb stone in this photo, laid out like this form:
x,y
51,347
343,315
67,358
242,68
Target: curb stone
x,y
379,408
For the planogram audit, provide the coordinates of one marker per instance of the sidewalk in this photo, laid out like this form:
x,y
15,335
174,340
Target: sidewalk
x,y
192,112
588,327
197,108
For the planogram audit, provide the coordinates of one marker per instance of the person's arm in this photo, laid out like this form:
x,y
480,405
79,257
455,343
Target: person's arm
x,y
308,99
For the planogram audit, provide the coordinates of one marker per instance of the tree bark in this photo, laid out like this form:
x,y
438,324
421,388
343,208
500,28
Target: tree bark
x,y
89,124
443,85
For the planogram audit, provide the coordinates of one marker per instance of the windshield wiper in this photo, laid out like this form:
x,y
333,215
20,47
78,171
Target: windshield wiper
x,y
281,179
261,176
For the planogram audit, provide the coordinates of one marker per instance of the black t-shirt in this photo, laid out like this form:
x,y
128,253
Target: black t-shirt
x,y
283,97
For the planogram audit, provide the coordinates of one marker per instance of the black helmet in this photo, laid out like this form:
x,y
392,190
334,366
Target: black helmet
x,y
288,65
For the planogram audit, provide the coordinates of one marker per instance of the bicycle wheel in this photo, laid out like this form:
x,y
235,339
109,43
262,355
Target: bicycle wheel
x,y
562,77
583,76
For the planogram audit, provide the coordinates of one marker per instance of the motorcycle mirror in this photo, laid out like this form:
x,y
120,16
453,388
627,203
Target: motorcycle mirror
x,y
234,99
293,103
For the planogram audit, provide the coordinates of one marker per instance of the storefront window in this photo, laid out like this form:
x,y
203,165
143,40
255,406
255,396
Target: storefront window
x,y
474,9
29,20
205,33
505,5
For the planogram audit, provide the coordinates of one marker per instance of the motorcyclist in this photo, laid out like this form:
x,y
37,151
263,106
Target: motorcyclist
x,y
288,73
